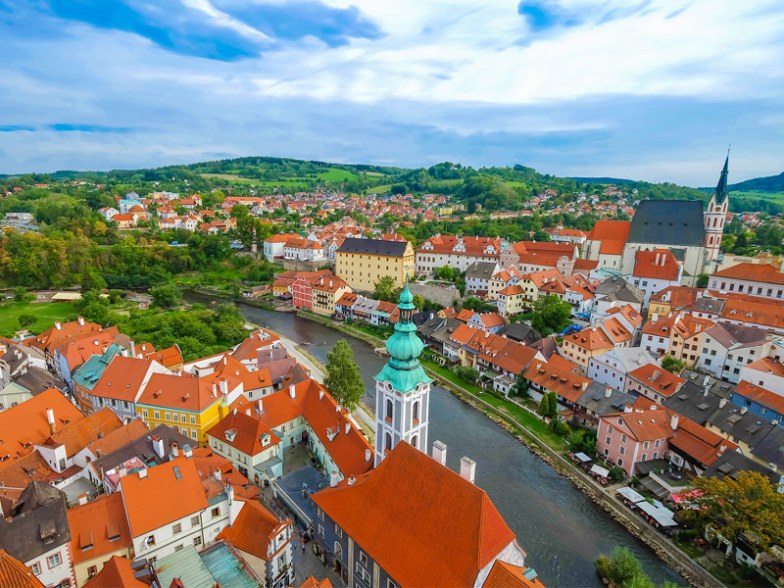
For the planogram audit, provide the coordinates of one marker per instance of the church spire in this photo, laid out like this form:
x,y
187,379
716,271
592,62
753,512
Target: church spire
x,y
721,188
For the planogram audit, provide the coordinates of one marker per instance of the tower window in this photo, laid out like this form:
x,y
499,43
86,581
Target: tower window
x,y
388,412
387,442
416,413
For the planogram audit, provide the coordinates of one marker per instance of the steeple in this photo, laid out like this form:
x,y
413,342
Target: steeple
x,y
721,187
402,387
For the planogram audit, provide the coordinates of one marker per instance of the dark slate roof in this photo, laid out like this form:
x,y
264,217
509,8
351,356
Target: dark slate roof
x,y
708,305
692,402
771,448
41,511
480,270
732,462
373,247
616,288
721,188
522,332
668,222
595,400
748,428
142,449
717,387
36,380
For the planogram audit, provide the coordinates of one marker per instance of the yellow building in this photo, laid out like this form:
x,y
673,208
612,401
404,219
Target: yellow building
x,y
327,290
363,262
189,404
512,300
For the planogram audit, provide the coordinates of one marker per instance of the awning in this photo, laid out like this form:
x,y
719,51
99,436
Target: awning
x,y
661,514
582,457
630,494
687,496
657,489
599,471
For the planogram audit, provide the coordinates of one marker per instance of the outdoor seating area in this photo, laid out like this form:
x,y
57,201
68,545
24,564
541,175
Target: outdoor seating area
x,y
653,511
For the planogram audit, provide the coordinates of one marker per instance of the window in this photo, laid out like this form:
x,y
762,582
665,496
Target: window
x,y
388,411
193,420
37,569
168,416
338,530
363,558
178,547
608,441
54,560
321,530
91,571
197,541
156,415
145,414
644,457
387,442
645,444
620,461
195,521
622,450
321,514
215,512
177,528
624,438
363,574
150,541
610,429
193,434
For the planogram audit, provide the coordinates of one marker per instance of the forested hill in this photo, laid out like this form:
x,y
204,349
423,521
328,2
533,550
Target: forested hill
x,y
494,188
768,184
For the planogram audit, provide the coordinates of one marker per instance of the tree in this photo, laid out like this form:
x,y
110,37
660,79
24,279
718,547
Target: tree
x,y
384,289
22,295
166,295
550,315
92,279
749,501
445,273
26,320
673,364
521,386
702,280
548,406
343,379
419,302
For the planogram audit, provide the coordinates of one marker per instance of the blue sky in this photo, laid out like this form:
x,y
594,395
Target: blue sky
x,y
649,89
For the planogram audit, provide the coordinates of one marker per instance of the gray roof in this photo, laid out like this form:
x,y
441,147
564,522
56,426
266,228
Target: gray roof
x,y
692,402
771,448
39,523
142,449
708,305
373,247
629,357
36,380
480,270
522,332
748,428
732,462
596,400
718,387
616,288
668,222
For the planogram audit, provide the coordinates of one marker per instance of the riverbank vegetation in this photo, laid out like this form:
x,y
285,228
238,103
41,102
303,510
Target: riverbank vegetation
x,y
343,378
622,569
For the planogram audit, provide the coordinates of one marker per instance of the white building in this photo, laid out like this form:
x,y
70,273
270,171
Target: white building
x,y
612,367
750,278
727,348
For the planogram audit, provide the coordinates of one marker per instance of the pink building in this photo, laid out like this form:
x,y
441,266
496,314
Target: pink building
x,y
627,438
302,292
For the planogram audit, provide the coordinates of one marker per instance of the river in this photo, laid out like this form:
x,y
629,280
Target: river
x,y
562,531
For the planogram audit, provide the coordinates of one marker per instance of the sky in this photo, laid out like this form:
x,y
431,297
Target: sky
x,y
651,90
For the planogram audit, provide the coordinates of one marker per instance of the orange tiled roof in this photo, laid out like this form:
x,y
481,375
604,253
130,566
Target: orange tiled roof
x,y
78,435
768,365
253,530
661,327
754,310
123,379
14,574
761,395
116,573
646,425
585,265
506,575
474,246
658,379
657,265
391,513
180,392
512,290
175,497
612,234
169,357
248,348
24,425
554,377
246,432
119,438
591,338
312,582
98,527
699,443
53,336
753,272
512,356
282,238
465,315
678,296
331,284
78,350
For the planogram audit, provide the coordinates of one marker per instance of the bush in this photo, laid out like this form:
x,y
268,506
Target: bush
x,y
22,295
560,427
26,320
468,374
617,474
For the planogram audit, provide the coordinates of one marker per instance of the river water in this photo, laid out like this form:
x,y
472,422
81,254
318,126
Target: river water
x,y
561,530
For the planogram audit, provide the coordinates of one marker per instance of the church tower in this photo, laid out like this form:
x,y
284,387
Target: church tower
x,y
715,216
402,387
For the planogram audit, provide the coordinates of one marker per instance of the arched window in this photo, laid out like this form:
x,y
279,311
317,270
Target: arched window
x,y
415,441
388,413
416,413
338,552
388,442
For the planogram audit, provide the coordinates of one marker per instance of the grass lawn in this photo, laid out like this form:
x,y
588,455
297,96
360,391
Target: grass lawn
x,y
337,175
46,314
382,189
230,178
775,196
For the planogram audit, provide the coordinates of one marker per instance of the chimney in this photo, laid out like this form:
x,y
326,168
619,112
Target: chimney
x,y
292,391
608,392
217,474
214,389
321,394
142,473
744,410
334,478
133,348
175,450
50,420
123,471
348,427
157,445
229,493
57,325
248,411
224,386
187,451
467,469
80,320
260,409
674,422
439,452
722,403
82,499
368,454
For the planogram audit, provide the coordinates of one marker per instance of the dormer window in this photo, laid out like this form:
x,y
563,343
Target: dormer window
x,y
230,435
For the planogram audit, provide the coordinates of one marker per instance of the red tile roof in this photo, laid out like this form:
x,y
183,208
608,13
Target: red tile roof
x,y
175,497
754,310
698,443
656,265
391,514
116,573
122,379
245,431
474,246
761,396
24,425
657,379
98,527
558,378
254,529
645,425
506,575
753,272
612,234
14,574
78,435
